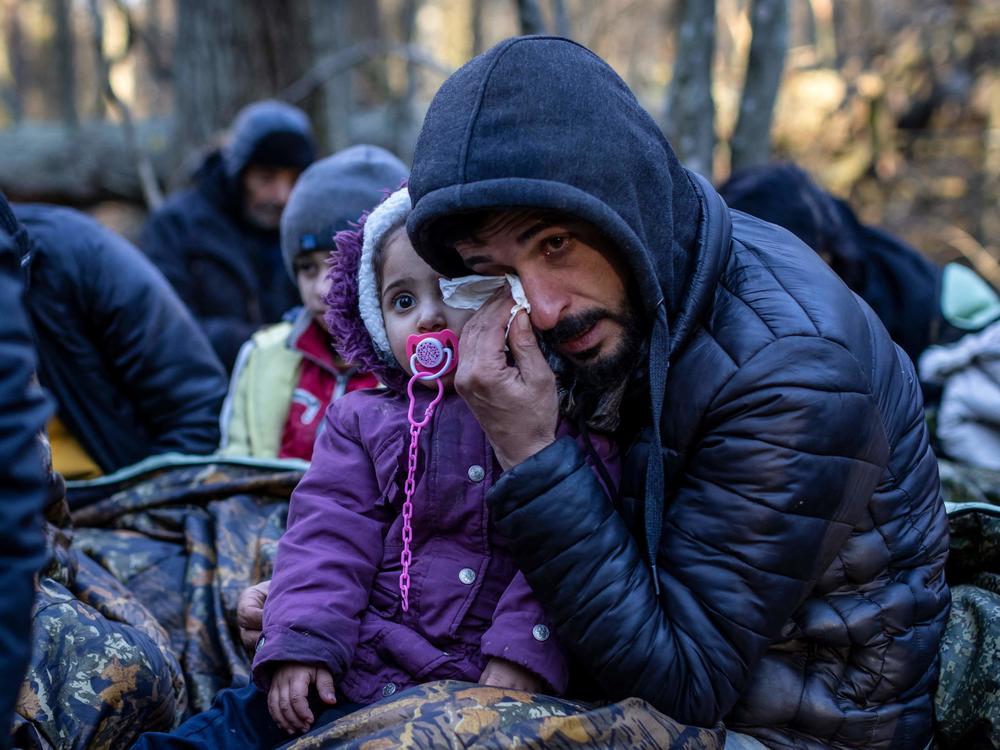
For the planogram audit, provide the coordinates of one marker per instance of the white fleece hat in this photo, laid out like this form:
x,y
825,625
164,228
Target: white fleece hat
x,y
386,218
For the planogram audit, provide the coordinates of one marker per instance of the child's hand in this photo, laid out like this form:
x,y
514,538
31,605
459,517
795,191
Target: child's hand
x,y
507,674
288,699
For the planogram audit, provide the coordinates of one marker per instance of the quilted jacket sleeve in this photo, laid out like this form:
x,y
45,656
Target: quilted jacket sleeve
x,y
166,366
327,557
791,449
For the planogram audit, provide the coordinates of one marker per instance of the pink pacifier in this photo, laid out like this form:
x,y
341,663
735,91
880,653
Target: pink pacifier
x,y
431,356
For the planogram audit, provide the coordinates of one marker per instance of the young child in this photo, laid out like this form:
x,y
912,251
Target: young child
x,y
287,374
335,614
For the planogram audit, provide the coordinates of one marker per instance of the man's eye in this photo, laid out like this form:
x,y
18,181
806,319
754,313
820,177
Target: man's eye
x,y
402,302
556,244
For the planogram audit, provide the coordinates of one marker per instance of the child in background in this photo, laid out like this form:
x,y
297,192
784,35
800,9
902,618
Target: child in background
x,y
287,374
335,620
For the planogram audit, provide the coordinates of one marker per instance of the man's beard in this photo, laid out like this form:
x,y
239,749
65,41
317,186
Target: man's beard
x,y
264,215
591,371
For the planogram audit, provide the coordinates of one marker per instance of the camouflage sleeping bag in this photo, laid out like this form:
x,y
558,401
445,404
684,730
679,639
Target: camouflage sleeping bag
x,y
135,626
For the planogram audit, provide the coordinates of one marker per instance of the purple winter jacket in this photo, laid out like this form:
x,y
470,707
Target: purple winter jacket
x,y
334,599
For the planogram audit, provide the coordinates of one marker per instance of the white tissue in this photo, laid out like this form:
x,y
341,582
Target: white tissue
x,y
471,293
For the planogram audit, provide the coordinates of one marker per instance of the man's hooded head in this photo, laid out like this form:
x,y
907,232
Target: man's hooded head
x,y
330,197
270,143
543,123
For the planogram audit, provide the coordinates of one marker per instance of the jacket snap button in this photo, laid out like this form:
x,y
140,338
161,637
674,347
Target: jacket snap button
x,y
477,473
467,576
388,689
540,633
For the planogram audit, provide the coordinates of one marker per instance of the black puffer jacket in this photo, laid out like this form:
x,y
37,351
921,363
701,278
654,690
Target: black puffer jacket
x,y
130,370
798,591
229,273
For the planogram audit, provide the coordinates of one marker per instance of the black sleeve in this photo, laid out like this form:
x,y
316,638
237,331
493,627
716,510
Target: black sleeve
x,y
163,240
23,411
158,352
792,449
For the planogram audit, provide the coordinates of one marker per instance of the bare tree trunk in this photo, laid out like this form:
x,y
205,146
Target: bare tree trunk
x,y
529,12
332,33
826,35
476,21
65,50
48,161
402,125
563,25
690,111
229,53
13,96
151,192
751,142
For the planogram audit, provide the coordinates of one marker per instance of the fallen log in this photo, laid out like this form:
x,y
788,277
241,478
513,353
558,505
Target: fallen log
x,y
91,162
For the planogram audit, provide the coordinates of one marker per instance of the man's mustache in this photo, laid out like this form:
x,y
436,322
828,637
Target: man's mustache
x,y
576,325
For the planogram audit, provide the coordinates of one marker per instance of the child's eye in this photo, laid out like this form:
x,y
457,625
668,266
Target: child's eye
x,y
403,302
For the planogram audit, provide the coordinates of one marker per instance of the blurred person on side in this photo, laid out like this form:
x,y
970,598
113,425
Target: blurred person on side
x,y
23,410
919,303
218,241
131,372
287,374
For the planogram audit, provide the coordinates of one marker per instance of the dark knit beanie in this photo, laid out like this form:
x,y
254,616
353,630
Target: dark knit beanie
x,y
332,194
269,133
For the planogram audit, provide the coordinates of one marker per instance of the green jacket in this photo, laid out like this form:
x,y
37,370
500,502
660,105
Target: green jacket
x,y
260,393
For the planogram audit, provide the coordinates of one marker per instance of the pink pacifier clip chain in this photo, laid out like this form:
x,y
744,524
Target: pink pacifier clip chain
x,y
411,481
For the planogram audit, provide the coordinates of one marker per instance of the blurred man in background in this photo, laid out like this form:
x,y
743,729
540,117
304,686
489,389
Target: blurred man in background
x,y
218,242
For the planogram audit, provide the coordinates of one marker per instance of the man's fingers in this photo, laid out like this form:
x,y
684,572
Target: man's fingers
x,y
298,696
324,686
250,614
482,336
274,708
250,606
284,708
250,639
528,356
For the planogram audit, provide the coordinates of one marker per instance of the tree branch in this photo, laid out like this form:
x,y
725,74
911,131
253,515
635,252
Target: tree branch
x,y
751,143
690,110
336,63
147,175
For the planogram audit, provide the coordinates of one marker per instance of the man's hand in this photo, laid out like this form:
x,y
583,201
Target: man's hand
x,y
507,674
250,614
516,405
288,698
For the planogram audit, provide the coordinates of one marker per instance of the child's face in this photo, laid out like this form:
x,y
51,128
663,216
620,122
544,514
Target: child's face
x,y
411,299
310,274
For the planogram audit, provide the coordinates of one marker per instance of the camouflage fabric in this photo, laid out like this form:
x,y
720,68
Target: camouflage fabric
x,y
135,625
186,540
967,700
449,714
102,670
133,619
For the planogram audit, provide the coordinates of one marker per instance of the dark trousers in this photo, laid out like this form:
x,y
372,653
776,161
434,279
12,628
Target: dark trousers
x,y
238,718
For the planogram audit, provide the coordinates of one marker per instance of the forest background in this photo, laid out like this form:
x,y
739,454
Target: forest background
x,y
893,104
